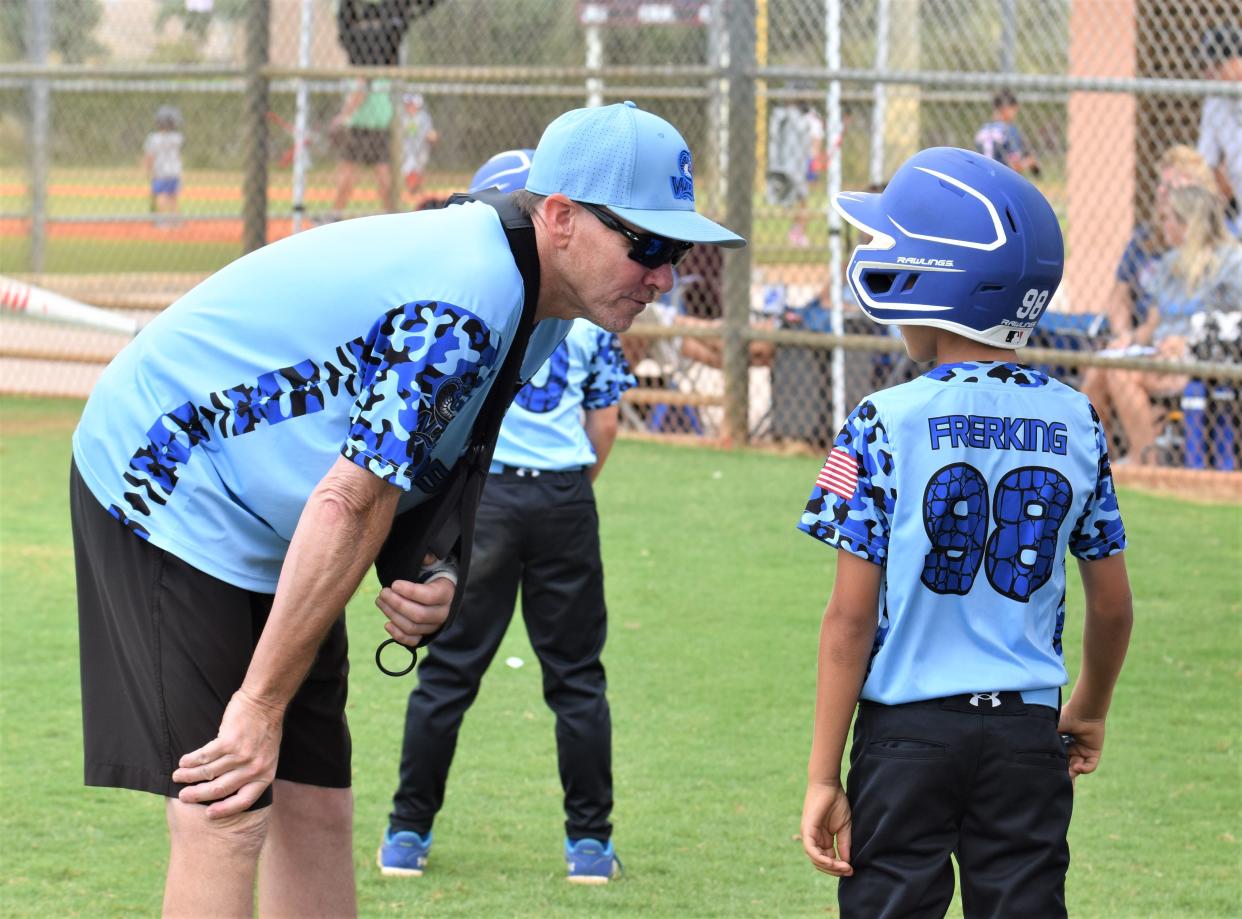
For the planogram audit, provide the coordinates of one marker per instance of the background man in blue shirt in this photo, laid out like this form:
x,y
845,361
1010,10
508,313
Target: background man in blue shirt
x,y
240,463
1000,139
953,501
537,531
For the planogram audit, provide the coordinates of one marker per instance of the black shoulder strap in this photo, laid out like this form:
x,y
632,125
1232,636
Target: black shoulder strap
x,y
444,525
520,232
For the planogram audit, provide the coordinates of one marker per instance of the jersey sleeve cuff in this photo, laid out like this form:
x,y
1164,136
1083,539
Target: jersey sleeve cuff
x,y
1109,544
390,472
837,538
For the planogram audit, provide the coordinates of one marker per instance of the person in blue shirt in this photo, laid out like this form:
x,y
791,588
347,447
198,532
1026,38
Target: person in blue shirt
x,y
953,501
1000,139
537,532
240,464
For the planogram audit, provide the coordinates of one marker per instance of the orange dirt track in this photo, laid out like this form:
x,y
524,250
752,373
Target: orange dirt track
x,y
223,230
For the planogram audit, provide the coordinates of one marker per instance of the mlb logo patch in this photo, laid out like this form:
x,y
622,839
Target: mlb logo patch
x,y
839,474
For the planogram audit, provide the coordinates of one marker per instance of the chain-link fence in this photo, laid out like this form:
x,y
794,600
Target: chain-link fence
x,y
145,143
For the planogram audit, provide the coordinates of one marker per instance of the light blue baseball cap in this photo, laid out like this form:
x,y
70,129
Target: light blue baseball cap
x,y
632,162
506,171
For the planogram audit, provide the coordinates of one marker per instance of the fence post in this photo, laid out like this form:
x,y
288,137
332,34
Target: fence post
x,y
254,117
739,207
40,41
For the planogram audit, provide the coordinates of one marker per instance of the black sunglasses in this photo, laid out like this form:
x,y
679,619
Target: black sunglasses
x,y
647,249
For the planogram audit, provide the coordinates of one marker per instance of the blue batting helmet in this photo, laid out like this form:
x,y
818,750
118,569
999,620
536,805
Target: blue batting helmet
x,y
959,242
506,171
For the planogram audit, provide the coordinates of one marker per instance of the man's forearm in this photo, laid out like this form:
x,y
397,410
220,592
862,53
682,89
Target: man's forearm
x,y
337,538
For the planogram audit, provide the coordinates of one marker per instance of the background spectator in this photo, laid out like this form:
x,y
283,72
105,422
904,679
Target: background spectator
x,y
1000,138
1180,166
418,136
1201,273
362,130
792,147
161,158
1220,125
1130,302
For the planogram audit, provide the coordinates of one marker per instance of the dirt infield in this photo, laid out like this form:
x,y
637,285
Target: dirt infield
x,y
190,230
87,196
222,230
277,194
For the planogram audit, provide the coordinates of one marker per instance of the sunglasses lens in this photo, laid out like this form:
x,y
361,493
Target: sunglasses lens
x,y
647,249
656,251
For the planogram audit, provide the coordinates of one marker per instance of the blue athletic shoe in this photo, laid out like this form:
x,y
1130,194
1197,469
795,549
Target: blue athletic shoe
x,y
591,861
403,854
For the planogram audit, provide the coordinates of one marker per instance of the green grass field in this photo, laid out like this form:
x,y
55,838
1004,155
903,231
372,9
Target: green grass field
x,y
715,602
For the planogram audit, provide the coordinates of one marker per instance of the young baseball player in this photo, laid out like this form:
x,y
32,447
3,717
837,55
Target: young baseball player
x,y
953,500
537,534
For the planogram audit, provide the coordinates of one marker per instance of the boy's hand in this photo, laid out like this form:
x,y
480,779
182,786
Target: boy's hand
x,y
826,828
1084,752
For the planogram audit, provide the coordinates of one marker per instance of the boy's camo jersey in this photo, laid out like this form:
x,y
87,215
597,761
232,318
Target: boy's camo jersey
x,y
969,485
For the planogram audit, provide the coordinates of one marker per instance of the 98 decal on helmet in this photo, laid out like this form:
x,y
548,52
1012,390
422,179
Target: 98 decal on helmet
x,y
959,242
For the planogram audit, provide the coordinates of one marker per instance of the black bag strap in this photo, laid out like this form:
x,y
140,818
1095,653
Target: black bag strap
x,y
444,525
520,232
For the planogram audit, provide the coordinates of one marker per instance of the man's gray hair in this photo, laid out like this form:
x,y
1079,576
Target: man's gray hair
x,y
527,201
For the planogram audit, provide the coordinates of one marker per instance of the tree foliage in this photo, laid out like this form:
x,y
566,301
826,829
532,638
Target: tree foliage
x,y
73,25
196,22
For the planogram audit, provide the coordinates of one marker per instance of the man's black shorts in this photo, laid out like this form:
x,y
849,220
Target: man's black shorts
x,y
163,648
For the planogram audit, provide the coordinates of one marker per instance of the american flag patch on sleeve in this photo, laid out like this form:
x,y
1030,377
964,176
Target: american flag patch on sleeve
x,y
839,474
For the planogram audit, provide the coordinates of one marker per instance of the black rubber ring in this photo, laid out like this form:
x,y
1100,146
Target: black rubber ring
x,y
380,663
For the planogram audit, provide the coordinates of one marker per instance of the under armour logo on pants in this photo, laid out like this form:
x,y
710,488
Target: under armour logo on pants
x,y
993,697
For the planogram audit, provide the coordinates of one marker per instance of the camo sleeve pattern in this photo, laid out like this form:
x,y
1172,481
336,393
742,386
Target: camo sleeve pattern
x,y
1099,532
426,359
608,373
857,519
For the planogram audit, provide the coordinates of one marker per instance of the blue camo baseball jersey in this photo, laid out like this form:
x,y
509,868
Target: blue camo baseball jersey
x,y
376,339
543,427
969,485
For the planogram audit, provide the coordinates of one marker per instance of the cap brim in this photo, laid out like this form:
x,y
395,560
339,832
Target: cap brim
x,y
688,226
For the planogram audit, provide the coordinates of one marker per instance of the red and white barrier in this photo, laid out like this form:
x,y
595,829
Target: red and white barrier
x,y
21,299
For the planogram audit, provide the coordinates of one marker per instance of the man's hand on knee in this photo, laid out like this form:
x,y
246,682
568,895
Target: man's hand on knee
x,y
231,772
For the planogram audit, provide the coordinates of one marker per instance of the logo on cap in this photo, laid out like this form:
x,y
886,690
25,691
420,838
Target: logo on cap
x,y
683,185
